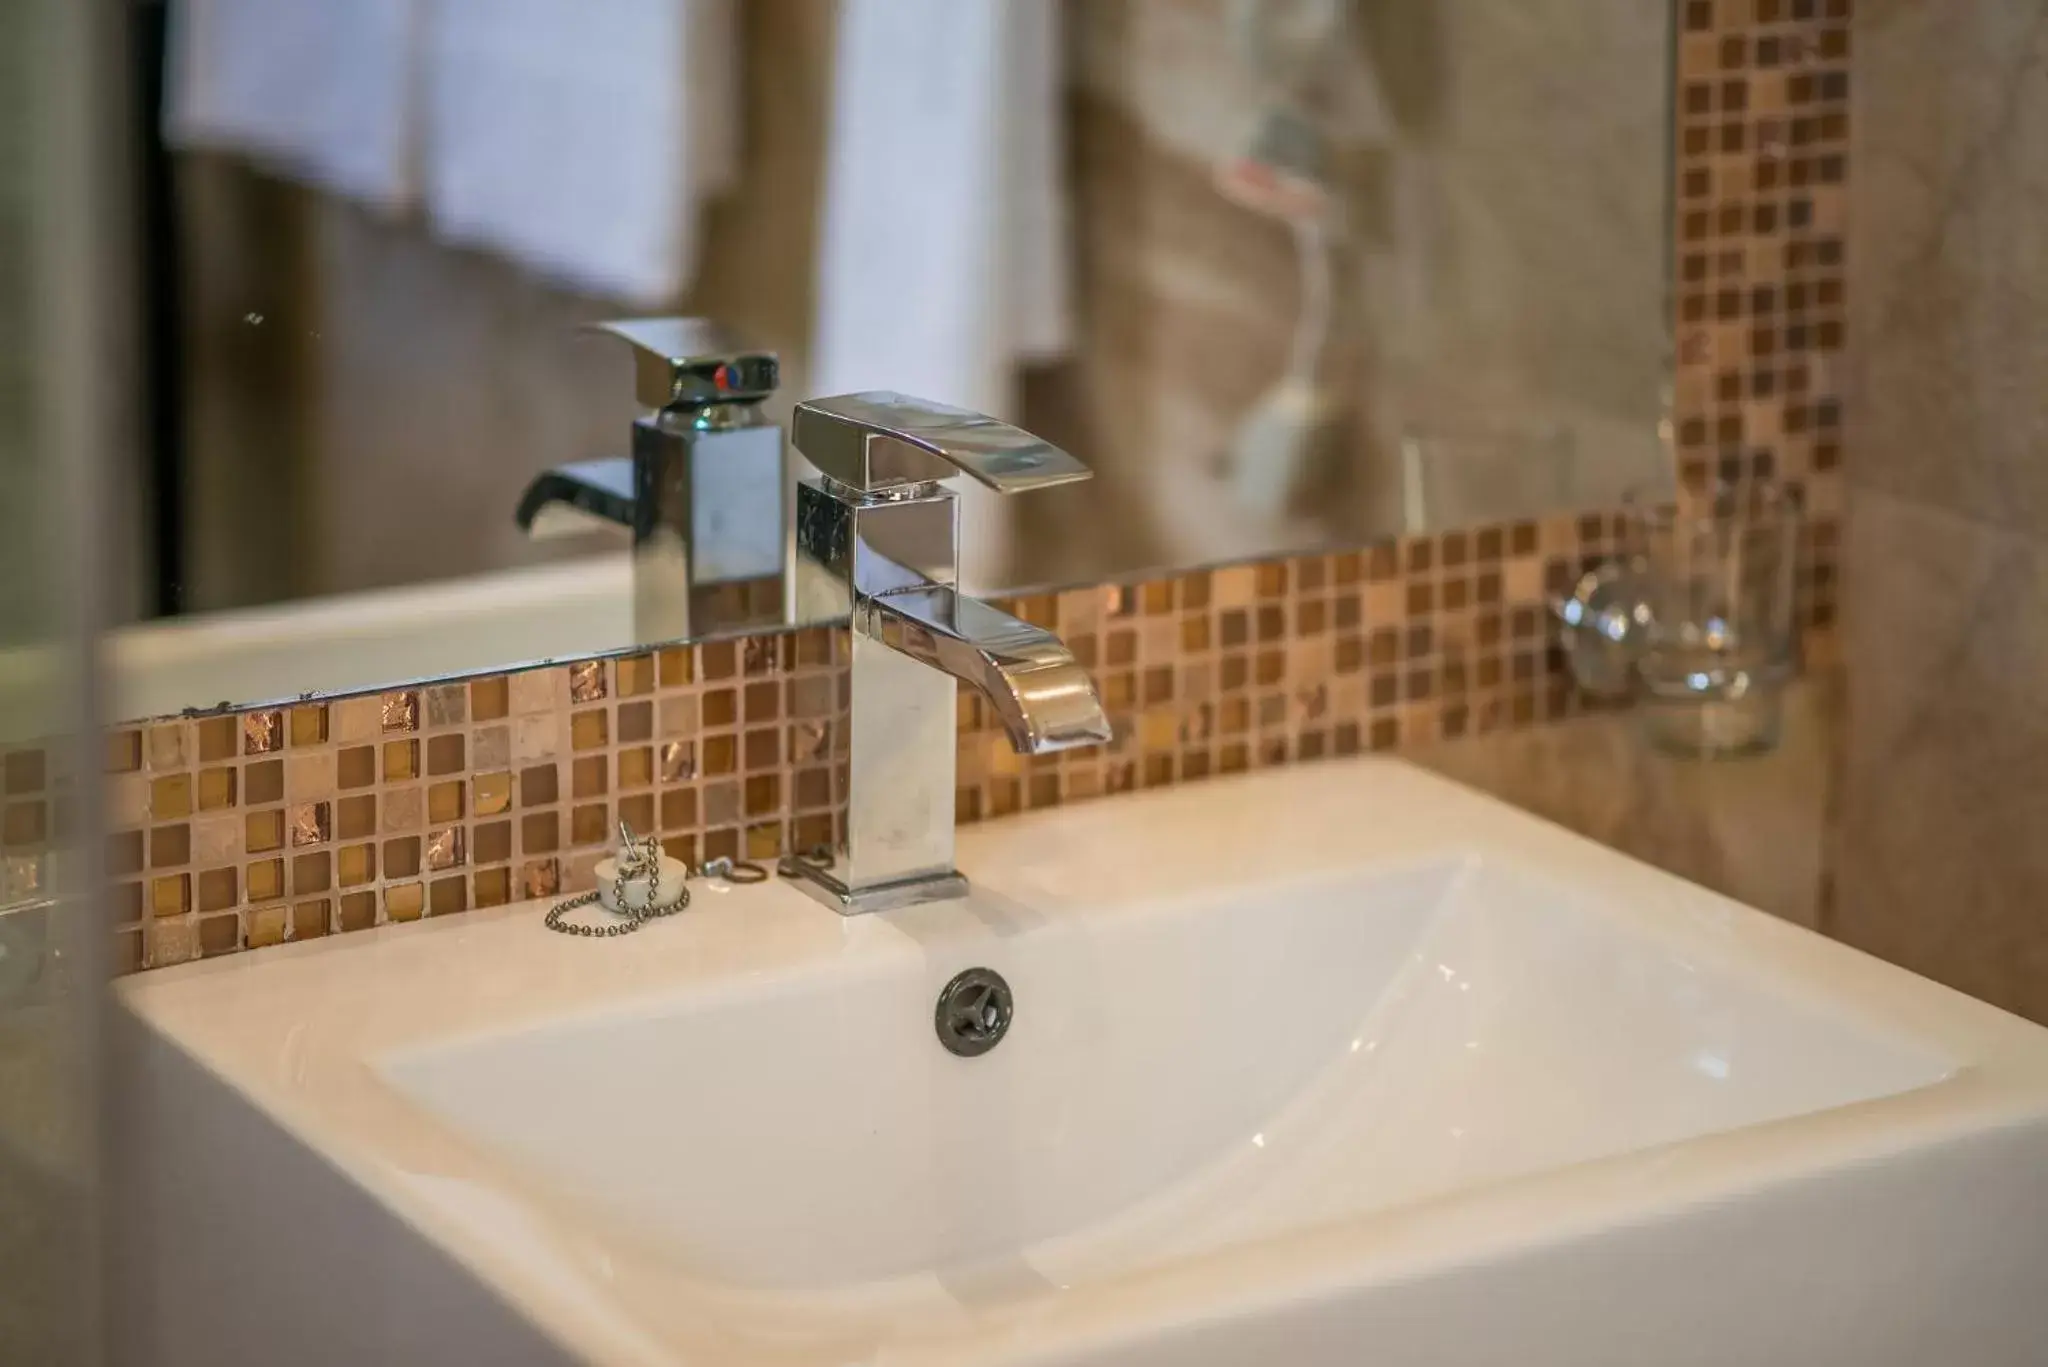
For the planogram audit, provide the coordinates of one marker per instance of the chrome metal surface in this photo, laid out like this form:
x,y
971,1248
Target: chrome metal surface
x,y
1045,700
822,885
703,493
885,557
974,1012
693,362
879,440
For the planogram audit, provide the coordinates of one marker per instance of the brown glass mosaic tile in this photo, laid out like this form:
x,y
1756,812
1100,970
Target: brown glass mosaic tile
x,y
1761,187
1244,667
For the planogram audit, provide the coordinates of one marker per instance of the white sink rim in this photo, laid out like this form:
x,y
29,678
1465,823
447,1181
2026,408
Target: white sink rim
x,y
339,1003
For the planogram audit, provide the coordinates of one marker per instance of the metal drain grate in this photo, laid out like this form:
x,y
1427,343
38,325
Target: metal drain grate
x,y
973,1012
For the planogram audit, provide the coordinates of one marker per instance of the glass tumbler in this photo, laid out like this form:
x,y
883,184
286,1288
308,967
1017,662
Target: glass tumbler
x,y
1713,575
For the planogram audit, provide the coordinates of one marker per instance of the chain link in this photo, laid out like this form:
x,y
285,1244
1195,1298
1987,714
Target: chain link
x,y
733,870
634,857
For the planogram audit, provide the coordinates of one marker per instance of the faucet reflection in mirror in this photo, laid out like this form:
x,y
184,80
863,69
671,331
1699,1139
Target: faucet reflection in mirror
x,y
702,492
878,541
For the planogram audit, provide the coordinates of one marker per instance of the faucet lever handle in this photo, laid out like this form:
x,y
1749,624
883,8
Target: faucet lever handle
x,y
878,440
692,362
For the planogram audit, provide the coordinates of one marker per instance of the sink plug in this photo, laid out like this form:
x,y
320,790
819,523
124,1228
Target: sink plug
x,y
641,883
636,885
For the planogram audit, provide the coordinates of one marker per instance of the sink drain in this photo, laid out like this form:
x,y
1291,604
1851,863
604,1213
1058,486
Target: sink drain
x,y
973,1012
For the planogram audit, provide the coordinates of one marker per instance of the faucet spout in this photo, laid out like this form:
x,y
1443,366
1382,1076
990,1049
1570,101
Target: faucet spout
x,y
878,533
1044,697
578,496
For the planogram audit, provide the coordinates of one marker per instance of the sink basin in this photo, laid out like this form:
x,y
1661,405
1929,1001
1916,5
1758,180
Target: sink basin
x,y
1184,1075
1318,1065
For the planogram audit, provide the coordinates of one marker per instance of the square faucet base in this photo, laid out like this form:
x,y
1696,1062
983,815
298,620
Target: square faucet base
x,y
908,892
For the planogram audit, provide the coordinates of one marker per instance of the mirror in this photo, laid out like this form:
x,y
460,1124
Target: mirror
x,y
1288,274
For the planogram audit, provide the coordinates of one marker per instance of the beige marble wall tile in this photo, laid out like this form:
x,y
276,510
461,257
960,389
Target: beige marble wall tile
x,y
1751,828
1950,284
1939,859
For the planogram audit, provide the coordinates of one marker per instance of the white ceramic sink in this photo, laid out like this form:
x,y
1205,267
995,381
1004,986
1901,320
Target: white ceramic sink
x,y
1330,1065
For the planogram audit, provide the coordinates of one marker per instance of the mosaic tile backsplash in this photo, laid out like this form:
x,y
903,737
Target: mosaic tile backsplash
x,y
245,829
1761,195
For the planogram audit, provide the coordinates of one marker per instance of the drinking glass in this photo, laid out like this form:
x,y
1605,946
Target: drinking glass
x,y
1713,578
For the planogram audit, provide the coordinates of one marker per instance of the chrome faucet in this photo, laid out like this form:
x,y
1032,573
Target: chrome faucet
x,y
878,542
702,493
